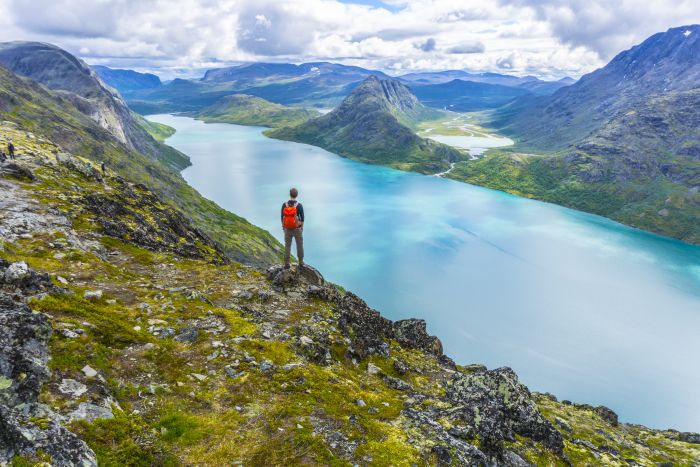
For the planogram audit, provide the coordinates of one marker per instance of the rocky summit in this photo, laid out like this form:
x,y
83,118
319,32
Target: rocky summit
x,y
129,338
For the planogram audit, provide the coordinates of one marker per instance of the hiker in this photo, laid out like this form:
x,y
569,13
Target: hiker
x,y
103,167
3,157
292,216
11,150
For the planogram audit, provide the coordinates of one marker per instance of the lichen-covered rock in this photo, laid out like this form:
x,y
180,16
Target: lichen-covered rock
x,y
693,438
495,406
24,340
90,412
311,275
607,414
23,352
413,333
17,272
20,435
364,326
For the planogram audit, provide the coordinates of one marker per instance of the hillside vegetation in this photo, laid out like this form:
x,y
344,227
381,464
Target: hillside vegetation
x,y
623,141
243,109
375,124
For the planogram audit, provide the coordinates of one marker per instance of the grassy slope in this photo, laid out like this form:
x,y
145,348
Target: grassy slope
x,y
159,131
283,417
39,111
249,110
366,127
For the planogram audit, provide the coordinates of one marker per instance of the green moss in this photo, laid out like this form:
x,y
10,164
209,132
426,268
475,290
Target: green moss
x,y
181,428
120,442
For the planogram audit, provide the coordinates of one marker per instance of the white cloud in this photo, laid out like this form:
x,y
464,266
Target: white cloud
x,y
549,38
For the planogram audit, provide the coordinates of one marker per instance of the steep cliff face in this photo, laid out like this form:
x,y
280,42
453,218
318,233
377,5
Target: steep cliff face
x,y
76,82
373,125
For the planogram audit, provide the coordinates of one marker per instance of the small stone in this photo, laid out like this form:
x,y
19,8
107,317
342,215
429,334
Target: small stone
x,y
266,365
68,333
137,328
663,212
59,256
373,369
198,377
111,301
299,427
360,403
188,334
72,387
149,346
92,294
290,366
89,371
305,340
62,280
153,322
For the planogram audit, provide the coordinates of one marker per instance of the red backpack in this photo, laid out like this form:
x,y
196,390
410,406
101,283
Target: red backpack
x,y
290,216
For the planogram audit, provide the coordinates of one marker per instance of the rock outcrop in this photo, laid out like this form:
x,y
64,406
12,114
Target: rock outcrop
x,y
27,427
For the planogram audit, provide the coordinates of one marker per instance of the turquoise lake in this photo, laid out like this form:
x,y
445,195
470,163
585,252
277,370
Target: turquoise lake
x,y
578,305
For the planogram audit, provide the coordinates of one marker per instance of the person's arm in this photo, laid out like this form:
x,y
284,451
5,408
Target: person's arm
x,y
282,215
300,214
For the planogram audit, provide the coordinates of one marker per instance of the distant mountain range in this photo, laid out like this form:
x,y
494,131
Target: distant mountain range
x,y
322,84
373,125
529,83
243,109
76,82
127,80
624,141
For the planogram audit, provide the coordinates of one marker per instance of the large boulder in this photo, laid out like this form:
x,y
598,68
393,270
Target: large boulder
x,y
494,406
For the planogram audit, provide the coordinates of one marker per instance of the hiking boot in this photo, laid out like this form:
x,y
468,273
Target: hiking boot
x,y
287,266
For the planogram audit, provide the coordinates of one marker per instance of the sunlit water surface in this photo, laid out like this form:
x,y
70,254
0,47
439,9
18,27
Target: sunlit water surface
x,y
578,305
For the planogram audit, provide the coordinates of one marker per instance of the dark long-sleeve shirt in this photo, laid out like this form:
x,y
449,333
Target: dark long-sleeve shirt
x,y
300,209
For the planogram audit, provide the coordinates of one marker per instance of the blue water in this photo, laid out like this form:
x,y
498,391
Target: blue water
x,y
578,305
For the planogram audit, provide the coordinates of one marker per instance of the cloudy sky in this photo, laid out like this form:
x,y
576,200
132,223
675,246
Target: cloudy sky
x,y
547,38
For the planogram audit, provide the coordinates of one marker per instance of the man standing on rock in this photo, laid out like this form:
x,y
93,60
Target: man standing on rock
x,y
11,150
292,216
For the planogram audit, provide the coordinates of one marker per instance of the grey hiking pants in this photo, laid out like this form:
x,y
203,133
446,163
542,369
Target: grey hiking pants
x,y
297,235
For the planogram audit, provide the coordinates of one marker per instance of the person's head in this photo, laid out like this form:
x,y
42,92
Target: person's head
x,y
293,193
